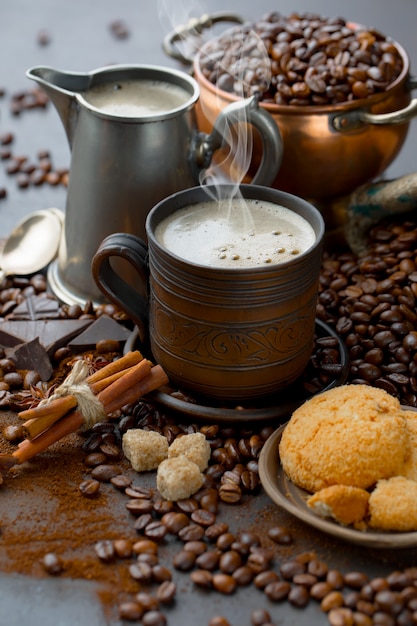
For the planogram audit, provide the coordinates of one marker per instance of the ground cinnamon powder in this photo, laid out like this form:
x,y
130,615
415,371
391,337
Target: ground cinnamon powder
x,y
43,511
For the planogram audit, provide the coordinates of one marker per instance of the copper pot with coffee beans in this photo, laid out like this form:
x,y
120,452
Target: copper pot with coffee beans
x,y
339,92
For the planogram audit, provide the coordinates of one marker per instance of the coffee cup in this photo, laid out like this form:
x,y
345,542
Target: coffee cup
x,y
230,311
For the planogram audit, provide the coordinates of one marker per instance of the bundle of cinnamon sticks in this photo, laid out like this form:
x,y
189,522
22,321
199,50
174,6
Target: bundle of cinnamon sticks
x,y
115,385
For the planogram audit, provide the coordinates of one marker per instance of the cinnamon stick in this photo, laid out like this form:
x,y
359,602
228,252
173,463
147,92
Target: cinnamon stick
x,y
125,361
105,382
110,396
27,449
59,406
156,378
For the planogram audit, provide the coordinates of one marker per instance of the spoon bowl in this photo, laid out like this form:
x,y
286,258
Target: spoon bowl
x,y
32,244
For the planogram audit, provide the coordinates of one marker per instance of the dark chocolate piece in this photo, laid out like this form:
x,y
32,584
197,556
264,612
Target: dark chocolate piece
x,y
31,356
52,334
35,308
104,327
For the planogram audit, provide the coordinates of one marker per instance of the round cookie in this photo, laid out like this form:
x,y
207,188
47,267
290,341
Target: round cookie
x,y
350,435
393,505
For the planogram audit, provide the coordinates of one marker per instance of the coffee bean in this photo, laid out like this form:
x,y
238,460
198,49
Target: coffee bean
x,y
141,572
104,473
166,591
224,583
243,575
341,617
105,550
202,578
203,518
298,596
208,560
277,591
192,532
89,488
130,610
280,535
154,618
175,522
219,620
52,564
184,560
260,617
122,548
229,561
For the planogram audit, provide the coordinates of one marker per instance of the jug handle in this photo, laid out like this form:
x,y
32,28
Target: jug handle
x,y
245,111
117,290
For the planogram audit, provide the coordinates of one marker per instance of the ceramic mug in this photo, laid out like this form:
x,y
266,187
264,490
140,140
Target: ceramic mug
x,y
229,333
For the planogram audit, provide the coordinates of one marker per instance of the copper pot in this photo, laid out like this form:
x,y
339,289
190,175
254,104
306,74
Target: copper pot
x,y
328,150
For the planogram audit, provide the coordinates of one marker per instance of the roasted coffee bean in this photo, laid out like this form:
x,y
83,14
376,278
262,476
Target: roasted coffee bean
x,y
130,611
290,568
121,481
333,599
89,488
149,602
141,572
219,620
155,530
175,522
203,518
122,548
166,591
202,578
224,583
142,522
139,506
280,535
160,573
52,564
341,617
264,578
229,561
213,532
145,546
298,596
154,618
105,550
208,560
192,532
243,575
104,473
198,547
356,580
277,591
260,617
184,560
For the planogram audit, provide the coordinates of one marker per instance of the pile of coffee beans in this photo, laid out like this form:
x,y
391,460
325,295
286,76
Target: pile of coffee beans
x,y
301,60
372,303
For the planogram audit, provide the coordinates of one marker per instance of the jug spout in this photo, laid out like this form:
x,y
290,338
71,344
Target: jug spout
x,y
62,88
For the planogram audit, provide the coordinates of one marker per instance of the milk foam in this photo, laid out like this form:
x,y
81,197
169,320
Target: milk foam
x,y
236,234
136,98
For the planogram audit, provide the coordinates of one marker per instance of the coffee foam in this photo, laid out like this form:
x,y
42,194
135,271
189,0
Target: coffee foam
x,y
136,98
236,234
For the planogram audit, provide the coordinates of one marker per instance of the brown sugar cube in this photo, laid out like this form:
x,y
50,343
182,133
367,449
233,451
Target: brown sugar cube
x,y
194,446
144,449
178,478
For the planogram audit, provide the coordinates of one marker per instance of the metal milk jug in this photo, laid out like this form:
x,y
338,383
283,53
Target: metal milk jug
x,y
125,160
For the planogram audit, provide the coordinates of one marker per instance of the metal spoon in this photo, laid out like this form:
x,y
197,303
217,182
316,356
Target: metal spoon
x,y
32,244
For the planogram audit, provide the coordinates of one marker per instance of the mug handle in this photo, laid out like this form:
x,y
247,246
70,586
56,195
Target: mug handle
x,y
245,111
117,290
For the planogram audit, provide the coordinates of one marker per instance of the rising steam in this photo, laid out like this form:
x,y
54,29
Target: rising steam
x,y
243,69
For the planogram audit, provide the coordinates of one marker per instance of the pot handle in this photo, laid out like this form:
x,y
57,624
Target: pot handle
x,y
192,30
241,112
350,121
123,295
